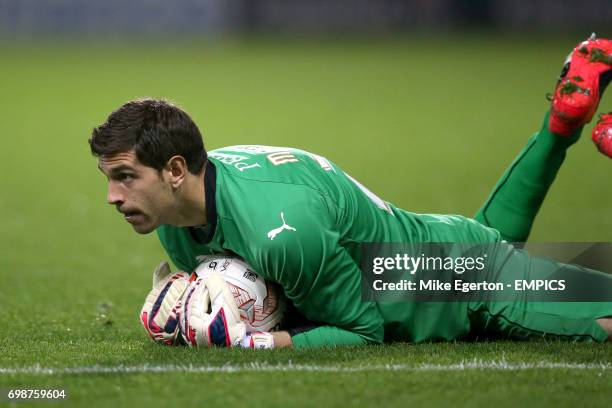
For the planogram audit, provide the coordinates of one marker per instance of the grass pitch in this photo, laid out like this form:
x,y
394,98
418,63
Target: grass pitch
x,y
428,124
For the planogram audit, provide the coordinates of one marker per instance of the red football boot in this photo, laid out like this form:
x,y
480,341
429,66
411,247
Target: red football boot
x,y
602,134
586,73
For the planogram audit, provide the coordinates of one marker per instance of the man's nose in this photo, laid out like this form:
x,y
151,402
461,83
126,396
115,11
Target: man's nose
x,y
114,196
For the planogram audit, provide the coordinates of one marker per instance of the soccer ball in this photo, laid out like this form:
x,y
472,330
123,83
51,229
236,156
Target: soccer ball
x,y
262,304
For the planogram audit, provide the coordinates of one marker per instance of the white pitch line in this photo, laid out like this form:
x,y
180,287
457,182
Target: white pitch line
x,y
265,367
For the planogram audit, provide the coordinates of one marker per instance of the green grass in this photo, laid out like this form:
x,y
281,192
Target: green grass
x,y
470,387
428,124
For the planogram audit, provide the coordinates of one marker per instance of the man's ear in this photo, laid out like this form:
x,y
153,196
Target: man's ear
x,y
177,168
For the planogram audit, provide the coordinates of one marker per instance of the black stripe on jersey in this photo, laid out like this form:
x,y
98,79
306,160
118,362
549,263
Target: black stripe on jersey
x,y
204,233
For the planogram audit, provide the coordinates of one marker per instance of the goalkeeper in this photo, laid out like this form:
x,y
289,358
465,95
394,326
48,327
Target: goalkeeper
x,y
299,220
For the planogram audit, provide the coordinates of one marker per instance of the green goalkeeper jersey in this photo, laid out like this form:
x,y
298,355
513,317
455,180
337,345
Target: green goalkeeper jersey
x,y
299,220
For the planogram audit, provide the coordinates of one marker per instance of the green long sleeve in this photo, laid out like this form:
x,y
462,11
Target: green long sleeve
x,y
327,336
516,199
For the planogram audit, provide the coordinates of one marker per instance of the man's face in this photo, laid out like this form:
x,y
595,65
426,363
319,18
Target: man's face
x,y
139,192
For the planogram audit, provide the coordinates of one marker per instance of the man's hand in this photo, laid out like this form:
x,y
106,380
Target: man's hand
x,y
159,312
209,317
258,340
209,314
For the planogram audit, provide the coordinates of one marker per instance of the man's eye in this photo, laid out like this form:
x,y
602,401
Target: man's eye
x,y
125,177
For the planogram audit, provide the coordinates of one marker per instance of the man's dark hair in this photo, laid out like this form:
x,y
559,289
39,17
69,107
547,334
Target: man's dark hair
x,y
156,130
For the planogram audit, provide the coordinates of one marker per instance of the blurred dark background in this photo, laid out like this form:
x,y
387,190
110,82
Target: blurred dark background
x,y
23,19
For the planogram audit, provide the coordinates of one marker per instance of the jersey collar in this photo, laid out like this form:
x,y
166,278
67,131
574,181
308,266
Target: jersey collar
x,y
204,233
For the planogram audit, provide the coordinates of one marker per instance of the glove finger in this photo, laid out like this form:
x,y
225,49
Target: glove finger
x,y
223,330
159,312
225,326
162,270
221,295
202,326
195,307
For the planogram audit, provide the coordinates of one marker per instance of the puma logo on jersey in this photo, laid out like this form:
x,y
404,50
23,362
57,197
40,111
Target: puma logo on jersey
x,y
272,234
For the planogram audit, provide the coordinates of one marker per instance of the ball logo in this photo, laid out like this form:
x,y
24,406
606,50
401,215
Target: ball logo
x,y
250,275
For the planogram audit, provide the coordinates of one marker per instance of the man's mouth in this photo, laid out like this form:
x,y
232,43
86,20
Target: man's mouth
x,y
132,216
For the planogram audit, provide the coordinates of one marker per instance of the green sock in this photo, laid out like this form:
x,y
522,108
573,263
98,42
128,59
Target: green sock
x,y
518,195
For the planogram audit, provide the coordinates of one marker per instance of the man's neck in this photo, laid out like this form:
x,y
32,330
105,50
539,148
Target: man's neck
x,y
192,211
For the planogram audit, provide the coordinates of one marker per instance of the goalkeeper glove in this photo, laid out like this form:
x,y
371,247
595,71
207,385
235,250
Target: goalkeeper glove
x,y
258,340
159,314
209,315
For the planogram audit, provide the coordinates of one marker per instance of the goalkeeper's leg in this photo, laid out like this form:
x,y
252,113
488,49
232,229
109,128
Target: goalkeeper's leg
x,y
517,197
581,311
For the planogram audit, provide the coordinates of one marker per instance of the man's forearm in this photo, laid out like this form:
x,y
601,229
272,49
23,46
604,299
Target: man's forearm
x,y
327,336
322,336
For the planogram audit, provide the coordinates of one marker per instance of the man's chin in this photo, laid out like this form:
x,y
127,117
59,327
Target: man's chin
x,y
141,223
144,228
